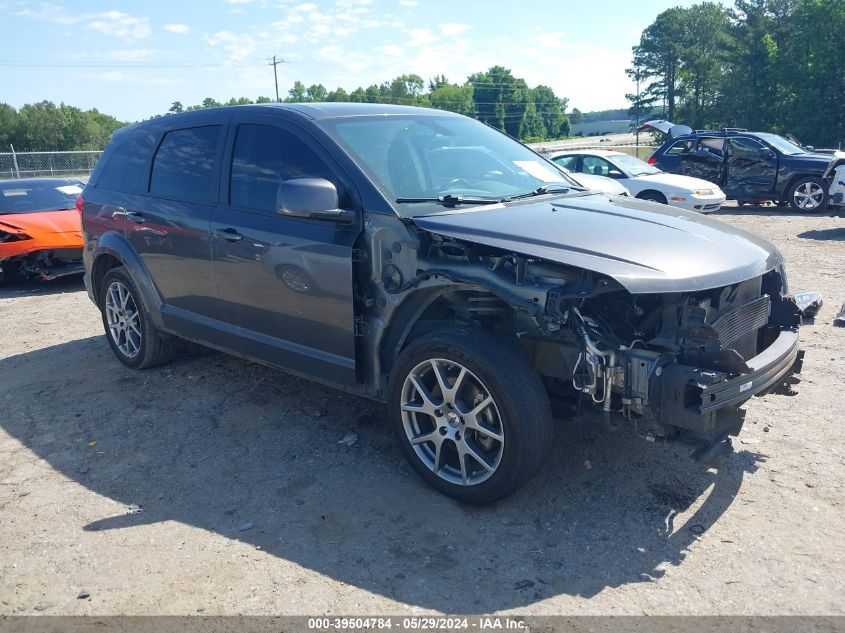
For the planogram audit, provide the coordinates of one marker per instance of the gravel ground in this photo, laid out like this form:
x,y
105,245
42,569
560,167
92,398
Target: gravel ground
x,y
218,486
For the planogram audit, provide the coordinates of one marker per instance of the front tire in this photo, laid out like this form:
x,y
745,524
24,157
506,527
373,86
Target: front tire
x,y
129,331
808,194
470,414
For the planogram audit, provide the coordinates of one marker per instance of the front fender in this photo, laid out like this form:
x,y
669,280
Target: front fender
x,y
114,245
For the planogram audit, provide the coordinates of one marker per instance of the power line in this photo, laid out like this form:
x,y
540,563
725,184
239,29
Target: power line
x,y
123,64
275,63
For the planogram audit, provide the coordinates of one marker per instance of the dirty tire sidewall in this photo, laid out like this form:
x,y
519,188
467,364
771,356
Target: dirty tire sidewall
x,y
155,347
517,391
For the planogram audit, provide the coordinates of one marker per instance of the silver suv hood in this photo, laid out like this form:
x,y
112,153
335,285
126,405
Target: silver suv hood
x,y
647,247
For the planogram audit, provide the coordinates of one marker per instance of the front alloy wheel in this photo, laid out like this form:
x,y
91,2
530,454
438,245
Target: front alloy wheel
x,y
470,413
452,422
808,194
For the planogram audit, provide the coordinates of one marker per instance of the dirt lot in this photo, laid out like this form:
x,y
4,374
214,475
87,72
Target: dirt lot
x,y
218,486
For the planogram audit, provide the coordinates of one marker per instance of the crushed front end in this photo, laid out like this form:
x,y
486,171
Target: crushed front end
x,y
678,366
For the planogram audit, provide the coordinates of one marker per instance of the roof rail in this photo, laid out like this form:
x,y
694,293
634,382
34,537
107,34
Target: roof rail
x,y
707,131
734,129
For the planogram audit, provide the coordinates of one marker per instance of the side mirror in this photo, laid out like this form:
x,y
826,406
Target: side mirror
x,y
766,154
809,148
314,198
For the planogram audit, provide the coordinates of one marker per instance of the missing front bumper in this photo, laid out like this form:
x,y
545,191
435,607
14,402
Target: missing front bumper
x,y
704,404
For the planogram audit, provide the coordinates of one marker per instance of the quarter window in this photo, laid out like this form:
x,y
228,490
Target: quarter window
x,y
264,156
184,166
127,168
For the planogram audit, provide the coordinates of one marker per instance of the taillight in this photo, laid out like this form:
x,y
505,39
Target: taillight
x,y
651,161
80,204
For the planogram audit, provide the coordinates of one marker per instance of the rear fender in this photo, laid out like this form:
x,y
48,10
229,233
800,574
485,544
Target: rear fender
x,y
116,245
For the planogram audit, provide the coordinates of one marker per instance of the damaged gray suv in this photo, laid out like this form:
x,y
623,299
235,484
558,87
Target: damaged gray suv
x,y
424,259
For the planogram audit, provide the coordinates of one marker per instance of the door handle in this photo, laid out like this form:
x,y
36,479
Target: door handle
x,y
230,235
137,218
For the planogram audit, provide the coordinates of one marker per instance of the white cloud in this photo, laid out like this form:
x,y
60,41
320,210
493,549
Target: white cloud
x,y
454,28
420,37
120,25
178,29
113,75
553,40
238,1
238,46
408,3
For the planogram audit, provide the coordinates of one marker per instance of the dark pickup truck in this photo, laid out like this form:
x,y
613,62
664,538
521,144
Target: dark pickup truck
x,y
747,165
422,258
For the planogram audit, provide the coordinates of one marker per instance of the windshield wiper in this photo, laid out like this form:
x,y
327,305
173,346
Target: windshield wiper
x,y
539,191
449,200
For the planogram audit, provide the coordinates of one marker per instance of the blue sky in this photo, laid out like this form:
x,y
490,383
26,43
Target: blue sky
x,y
132,59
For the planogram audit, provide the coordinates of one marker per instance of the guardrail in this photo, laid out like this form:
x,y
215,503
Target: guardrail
x,y
44,164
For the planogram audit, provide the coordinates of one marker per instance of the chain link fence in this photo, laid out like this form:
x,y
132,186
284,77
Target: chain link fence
x,y
77,164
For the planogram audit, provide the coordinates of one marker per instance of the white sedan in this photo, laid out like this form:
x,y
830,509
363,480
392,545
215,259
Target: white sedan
x,y
643,180
598,183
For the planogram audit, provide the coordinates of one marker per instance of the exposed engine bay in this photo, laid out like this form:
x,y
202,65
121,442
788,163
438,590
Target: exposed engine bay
x,y
671,366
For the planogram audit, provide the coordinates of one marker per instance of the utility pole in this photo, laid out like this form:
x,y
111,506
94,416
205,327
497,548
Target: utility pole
x,y
275,63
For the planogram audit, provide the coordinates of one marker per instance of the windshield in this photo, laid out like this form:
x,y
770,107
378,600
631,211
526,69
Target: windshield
x,y
420,158
634,166
781,144
29,198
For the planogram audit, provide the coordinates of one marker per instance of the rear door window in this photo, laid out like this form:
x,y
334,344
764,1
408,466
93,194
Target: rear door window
x,y
127,168
185,164
743,147
263,157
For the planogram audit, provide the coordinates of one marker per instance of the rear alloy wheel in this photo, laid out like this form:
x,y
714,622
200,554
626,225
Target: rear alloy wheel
x,y
131,335
470,413
808,194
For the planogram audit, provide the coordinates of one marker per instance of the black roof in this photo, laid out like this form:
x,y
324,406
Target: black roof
x,y
311,111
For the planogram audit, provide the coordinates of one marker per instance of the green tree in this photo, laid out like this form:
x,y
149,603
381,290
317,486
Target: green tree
x,y
453,98
703,42
499,98
552,110
531,128
338,95
8,126
576,117
176,107
658,58
316,92
297,94
812,68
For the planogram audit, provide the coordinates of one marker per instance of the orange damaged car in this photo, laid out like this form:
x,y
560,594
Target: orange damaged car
x,y
40,228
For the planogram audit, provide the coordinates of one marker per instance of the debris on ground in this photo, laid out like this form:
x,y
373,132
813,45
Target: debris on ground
x,y
349,439
840,318
809,303
133,508
588,465
83,595
246,526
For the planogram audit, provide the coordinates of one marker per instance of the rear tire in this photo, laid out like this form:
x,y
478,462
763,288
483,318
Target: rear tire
x,y
808,194
129,330
488,432
653,196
